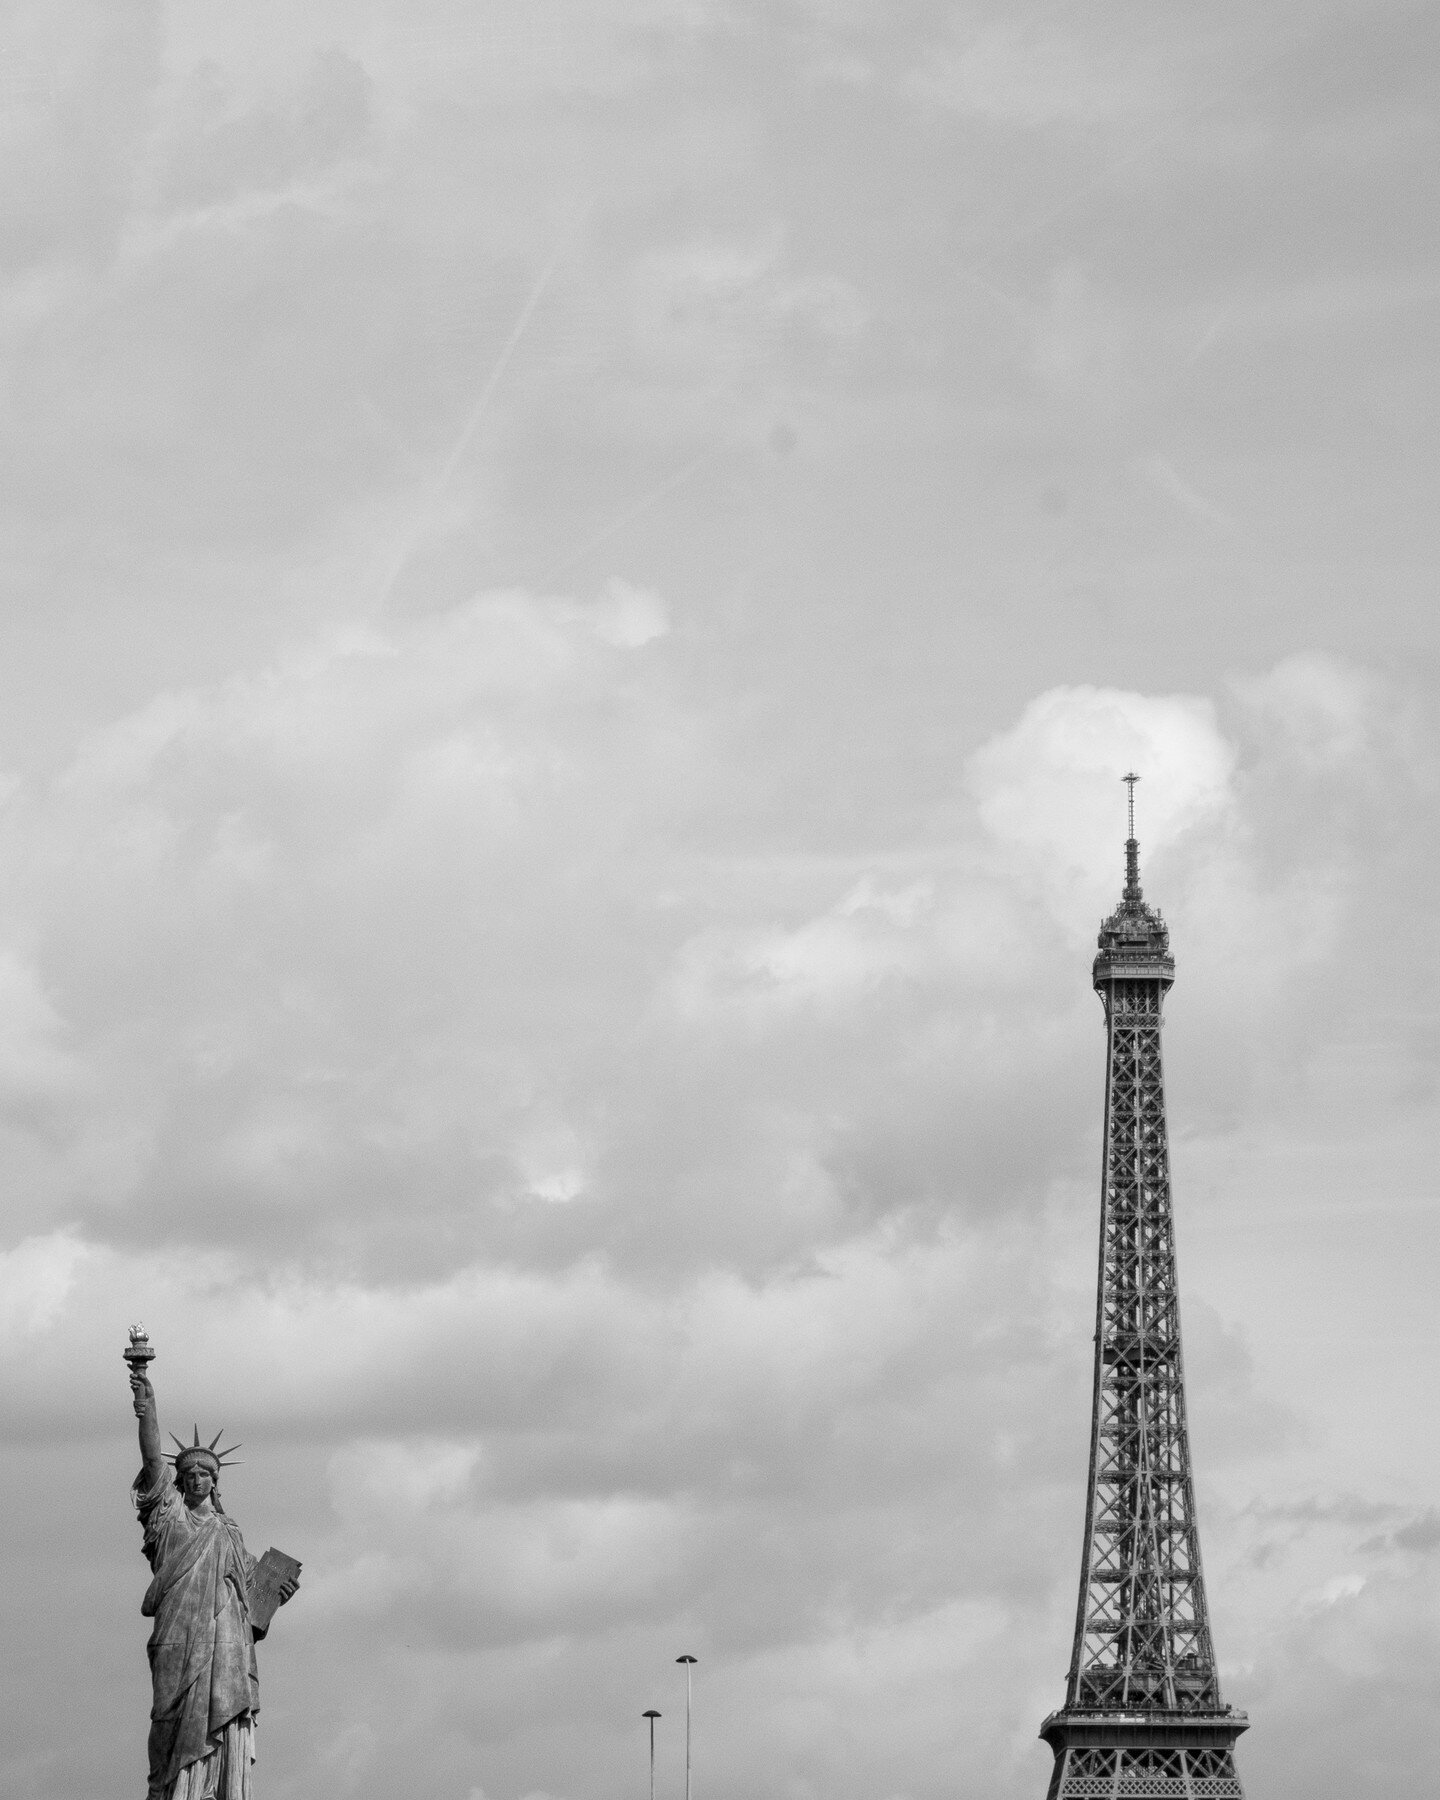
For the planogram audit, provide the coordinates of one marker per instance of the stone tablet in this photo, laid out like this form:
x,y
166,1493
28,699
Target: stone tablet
x,y
274,1571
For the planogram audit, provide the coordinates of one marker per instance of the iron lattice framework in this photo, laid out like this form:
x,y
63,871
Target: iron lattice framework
x,y
1143,1715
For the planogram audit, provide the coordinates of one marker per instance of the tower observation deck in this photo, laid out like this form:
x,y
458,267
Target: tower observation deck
x,y
1143,1717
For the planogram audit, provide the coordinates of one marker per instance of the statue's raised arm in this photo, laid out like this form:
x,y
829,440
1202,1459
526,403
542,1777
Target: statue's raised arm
x,y
152,1460
202,1649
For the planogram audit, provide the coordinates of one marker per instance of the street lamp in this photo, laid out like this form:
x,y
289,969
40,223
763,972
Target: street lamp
x,y
652,1716
689,1662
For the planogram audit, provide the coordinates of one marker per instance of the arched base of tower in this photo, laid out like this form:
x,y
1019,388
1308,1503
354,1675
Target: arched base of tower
x,y
1144,1756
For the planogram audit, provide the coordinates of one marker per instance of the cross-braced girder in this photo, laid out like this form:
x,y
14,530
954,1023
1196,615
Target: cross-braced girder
x,y
1148,1772
1142,1636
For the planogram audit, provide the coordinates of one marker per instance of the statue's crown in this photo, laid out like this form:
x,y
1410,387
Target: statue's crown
x,y
187,1455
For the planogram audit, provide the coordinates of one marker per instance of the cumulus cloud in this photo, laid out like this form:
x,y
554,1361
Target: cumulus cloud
x,y
36,1279
1049,787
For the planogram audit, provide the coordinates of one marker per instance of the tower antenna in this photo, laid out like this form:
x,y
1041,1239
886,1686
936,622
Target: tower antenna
x,y
1130,781
1132,849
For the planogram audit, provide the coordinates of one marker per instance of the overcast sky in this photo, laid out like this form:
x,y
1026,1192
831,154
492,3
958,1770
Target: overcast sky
x,y
576,581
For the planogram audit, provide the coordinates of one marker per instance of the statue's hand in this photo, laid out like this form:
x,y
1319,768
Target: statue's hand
x,y
287,1589
142,1393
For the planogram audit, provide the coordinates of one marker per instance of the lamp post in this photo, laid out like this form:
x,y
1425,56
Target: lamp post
x,y
689,1662
652,1716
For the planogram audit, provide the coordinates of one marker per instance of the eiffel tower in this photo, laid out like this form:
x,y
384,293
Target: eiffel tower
x,y
1143,1717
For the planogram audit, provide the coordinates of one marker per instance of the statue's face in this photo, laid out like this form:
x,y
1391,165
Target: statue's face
x,y
196,1484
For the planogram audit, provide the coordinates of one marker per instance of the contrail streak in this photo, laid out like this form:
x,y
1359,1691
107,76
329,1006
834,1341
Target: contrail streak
x,y
631,513
468,430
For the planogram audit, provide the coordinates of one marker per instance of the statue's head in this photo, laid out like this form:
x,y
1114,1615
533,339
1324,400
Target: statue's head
x,y
197,1470
197,1474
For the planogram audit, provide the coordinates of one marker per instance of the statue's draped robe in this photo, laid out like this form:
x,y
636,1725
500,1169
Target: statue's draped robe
x,y
202,1653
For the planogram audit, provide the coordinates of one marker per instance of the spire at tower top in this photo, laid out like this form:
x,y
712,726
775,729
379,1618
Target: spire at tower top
x,y
1133,940
1132,847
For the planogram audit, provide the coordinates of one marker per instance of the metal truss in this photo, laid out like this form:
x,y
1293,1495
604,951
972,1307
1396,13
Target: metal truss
x,y
1149,1773
1143,1716
1142,1637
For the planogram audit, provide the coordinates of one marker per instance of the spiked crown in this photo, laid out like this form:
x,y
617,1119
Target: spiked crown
x,y
187,1455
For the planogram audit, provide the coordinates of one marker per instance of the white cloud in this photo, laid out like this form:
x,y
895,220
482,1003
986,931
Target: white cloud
x,y
1050,787
37,1278
629,616
35,1059
833,959
1325,709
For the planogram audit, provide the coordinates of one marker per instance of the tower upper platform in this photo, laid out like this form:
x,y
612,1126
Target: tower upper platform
x,y
1134,940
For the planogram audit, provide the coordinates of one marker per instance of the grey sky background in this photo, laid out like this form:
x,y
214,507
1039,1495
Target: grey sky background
x,y
577,581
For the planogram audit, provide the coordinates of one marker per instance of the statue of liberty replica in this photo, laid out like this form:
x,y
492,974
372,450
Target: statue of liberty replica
x,y
210,1600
